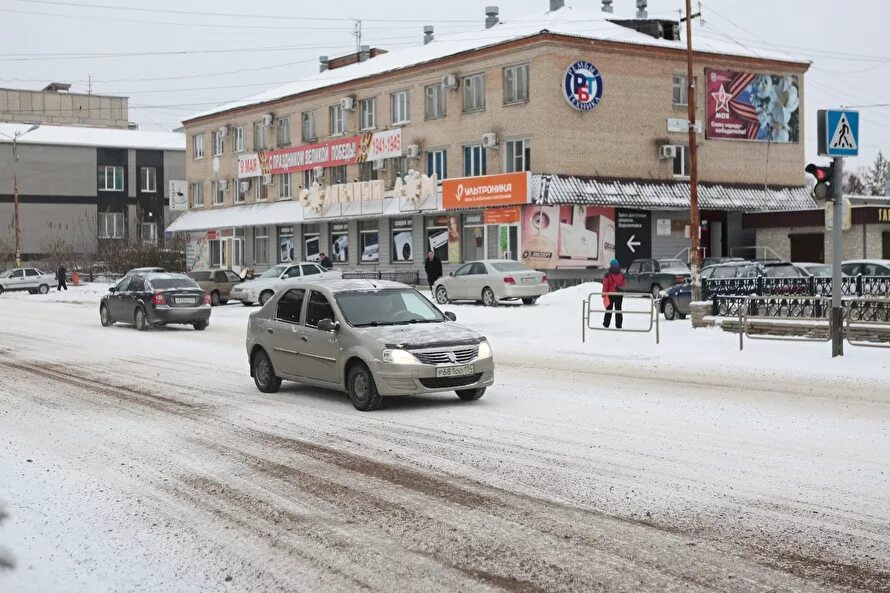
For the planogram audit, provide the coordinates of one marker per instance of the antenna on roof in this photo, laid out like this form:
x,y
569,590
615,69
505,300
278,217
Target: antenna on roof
x,y
357,33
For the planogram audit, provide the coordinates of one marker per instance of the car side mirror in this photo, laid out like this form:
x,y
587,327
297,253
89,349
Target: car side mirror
x,y
451,274
450,316
328,325
112,290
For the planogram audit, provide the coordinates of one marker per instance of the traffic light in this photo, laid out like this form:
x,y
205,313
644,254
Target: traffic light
x,y
824,177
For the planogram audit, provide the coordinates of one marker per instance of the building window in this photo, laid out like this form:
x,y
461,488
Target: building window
x,y
259,136
148,179
474,92
369,241
308,178
239,139
241,187
218,143
259,189
111,225
111,179
285,244
473,239
519,155
284,131
437,163
516,84
148,232
681,162
680,90
311,242
310,133
198,146
219,192
435,101
337,175
474,160
402,241
368,111
340,242
197,192
261,245
215,252
437,237
399,168
284,186
338,122
367,171
401,113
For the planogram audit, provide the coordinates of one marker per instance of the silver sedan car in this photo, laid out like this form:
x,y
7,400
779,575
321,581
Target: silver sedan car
x,y
371,338
491,281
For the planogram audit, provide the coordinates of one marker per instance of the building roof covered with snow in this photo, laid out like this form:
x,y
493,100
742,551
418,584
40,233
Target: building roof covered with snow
x,y
54,135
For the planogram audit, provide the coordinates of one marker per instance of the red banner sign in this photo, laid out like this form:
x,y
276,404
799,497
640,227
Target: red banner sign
x,y
333,153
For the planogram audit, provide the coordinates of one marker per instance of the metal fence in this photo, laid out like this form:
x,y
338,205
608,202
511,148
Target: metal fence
x,y
588,310
411,277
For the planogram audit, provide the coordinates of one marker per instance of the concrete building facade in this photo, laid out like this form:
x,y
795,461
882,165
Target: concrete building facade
x,y
54,104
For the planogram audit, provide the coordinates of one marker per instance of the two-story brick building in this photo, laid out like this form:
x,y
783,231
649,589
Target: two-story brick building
x,y
572,123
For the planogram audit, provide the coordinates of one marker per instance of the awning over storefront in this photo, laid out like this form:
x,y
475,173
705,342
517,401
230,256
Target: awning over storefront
x,y
552,190
261,214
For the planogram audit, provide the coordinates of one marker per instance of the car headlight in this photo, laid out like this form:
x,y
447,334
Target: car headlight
x,y
396,356
484,350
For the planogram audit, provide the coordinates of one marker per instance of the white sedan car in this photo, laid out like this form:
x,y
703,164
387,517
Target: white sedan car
x,y
260,289
491,281
31,279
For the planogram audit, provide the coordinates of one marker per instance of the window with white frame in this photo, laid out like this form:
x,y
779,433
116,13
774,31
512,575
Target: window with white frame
x,y
261,245
111,178
337,175
437,163
519,156
435,101
399,168
474,92
680,90
238,139
259,189
198,146
218,142
368,113
148,177
241,188
474,160
284,185
284,131
219,192
196,190
259,136
148,232
401,112
338,121
516,84
310,132
308,178
681,162
111,225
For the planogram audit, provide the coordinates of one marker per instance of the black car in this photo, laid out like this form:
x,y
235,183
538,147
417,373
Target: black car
x,y
151,299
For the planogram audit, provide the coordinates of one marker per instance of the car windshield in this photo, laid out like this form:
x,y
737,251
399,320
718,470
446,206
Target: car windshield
x,y
782,271
510,266
168,283
821,270
673,265
273,272
399,306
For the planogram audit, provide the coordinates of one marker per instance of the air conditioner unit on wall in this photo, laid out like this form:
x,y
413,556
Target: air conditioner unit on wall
x,y
449,81
267,119
413,151
223,132
667,151
244,186
347,103
490,140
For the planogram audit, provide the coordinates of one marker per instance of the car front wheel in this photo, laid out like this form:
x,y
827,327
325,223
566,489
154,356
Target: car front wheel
x,y
105,317
670,310
470,394
442,295
263,373
362,389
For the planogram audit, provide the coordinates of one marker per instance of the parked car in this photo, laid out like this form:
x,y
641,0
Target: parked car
x,y
149,270
491,281
151,299
866,267
651,275
814,269
370,339
33,280
218,283
261,288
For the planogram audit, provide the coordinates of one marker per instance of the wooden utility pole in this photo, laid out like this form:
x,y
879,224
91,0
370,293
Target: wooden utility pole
x,y
694,222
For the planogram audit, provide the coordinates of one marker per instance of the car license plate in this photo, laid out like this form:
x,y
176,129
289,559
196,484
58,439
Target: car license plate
x,y
528,280
460,371
184,301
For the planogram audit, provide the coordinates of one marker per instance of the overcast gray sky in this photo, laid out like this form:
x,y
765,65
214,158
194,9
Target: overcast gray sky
x,y
846,41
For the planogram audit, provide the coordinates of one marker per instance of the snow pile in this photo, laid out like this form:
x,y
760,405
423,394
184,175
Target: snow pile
x,y
83,294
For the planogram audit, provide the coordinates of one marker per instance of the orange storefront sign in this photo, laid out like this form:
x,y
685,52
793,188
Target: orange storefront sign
x,y
488,190
501,216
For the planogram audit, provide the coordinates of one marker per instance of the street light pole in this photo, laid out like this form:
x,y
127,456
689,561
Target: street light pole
x,y
695,225
15,191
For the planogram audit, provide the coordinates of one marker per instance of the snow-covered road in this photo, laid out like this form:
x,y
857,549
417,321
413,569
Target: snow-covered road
x,y
149,462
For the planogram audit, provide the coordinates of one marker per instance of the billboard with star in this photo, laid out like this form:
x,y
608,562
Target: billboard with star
x,y
752,106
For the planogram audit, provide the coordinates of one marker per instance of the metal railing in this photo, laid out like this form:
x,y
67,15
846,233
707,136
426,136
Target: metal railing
x,y
865,313
748,310
588,310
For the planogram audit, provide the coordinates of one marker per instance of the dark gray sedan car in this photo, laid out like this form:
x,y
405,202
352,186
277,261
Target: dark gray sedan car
x,y
370,338
151,299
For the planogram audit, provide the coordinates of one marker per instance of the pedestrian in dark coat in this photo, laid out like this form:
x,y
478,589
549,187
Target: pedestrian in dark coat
x,y
613,281
433,266
325,261
60,276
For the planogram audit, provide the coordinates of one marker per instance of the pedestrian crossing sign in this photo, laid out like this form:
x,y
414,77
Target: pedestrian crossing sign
x,y
838,132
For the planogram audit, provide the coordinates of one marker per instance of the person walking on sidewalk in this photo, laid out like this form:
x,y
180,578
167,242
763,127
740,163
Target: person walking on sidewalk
x,y
60,276
433,266
613,281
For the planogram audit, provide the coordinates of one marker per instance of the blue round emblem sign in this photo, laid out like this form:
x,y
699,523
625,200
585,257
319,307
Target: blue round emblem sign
x,y
583,86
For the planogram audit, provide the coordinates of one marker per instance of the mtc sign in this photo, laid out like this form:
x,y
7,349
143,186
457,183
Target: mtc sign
x,y
486,191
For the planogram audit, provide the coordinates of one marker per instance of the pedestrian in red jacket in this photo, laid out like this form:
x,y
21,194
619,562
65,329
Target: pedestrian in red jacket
x,y
613,281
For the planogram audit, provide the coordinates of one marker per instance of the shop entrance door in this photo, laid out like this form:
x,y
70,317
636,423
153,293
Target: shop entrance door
x,y
508,241
232,253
